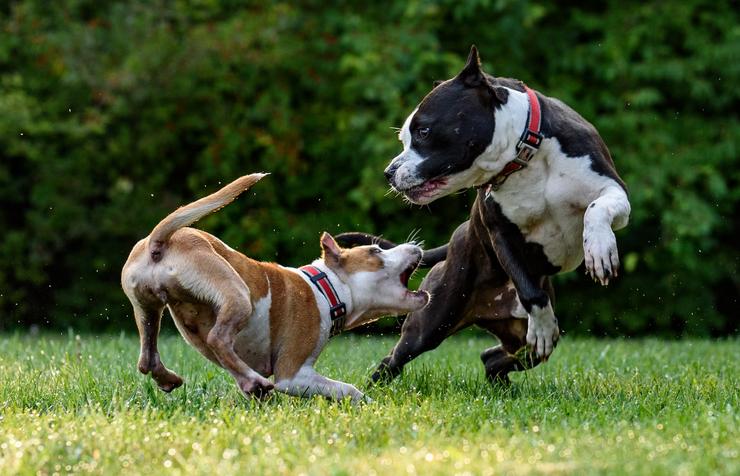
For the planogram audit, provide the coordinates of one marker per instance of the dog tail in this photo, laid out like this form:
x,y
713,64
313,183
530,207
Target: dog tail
x,y
189,214
355,238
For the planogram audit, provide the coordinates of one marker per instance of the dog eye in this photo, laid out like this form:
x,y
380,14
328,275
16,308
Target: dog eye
x,y
422,132
375,251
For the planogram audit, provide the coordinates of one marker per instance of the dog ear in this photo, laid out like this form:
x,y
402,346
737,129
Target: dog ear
x,y
330,250
472,75
502,94
437,83
499,93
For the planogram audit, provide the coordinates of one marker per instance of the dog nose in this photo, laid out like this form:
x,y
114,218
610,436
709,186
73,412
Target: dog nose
x,y
390,171
388,174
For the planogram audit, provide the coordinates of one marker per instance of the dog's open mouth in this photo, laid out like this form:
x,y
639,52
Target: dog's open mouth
x,y
405,276
425,189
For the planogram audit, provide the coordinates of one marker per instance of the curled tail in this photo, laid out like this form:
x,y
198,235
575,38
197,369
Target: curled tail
x,y
189,214
355,238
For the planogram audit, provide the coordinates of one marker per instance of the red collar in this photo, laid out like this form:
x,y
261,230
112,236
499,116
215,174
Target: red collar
x,y
337,309
528,144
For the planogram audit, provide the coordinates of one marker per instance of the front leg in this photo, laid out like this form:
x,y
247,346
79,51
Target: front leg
x,y
307,382
423,330
608,212
542,329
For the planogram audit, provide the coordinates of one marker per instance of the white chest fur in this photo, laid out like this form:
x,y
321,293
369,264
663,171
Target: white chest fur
x,y
547,201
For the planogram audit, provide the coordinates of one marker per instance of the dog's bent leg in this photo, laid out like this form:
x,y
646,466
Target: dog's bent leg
x,y
231,318
607,213
148,317
512,355
425,329
509,326
212,278
542,328
307,382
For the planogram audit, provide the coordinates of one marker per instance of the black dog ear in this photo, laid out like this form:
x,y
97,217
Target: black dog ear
x,y
502,94
472,75
437,83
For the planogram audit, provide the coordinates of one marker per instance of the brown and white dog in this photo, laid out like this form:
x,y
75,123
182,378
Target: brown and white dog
x,y
258,319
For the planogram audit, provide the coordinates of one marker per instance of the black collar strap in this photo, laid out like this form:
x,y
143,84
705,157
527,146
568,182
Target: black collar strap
x,y
528,145
337,309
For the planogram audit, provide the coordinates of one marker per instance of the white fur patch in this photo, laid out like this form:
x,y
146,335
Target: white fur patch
x,y
548,199
609,211
252,343
307,382
542,330
407,173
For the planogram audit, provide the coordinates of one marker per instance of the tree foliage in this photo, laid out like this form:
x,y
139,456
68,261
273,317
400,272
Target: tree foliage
x,y
114,113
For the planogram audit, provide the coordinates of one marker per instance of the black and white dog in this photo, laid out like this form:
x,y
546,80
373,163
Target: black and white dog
x,y
548,197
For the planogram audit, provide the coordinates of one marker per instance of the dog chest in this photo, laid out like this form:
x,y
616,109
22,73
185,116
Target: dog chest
x,y
546,206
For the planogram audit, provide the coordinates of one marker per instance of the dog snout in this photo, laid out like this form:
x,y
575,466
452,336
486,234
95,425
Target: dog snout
x,y
413,252
390,171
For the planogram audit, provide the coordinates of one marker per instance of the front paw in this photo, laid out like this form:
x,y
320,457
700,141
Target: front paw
x,y
600,255
542,335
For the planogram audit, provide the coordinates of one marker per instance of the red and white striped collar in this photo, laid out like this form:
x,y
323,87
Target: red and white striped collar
x,y
337,309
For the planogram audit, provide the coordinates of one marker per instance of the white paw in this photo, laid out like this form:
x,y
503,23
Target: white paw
x,y
600,254
542,333
357,397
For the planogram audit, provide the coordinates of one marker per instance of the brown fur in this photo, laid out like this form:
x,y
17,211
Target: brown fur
x,y
355,260
294,322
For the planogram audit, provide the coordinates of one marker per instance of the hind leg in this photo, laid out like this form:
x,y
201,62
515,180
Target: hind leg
x,y
148,318
210,276
231,318
512,355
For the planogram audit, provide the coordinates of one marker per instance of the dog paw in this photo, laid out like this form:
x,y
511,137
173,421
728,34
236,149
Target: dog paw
x,y
358,398
166,379
384,374
600,254
169,386
542,335
255,387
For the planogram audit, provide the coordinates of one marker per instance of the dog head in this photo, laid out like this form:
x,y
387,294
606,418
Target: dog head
x,y
378,279
446,134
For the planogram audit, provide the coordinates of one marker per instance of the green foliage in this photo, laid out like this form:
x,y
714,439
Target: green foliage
x,y
114,113
616,400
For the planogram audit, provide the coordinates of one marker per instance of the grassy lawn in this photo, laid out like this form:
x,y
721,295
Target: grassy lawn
x,y
77,404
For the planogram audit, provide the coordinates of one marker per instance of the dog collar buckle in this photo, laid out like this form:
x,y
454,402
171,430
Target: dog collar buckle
x,y
527,146
338,311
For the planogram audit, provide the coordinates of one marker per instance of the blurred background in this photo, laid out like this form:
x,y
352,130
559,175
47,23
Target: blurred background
x,y
113,113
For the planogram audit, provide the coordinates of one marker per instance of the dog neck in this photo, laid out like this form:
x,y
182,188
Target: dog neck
x,y
510,120
342,290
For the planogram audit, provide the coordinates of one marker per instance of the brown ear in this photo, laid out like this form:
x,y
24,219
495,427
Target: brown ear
x,y
330,250
472,75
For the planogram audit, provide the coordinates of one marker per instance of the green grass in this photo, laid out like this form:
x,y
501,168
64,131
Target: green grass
x,y
77,404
